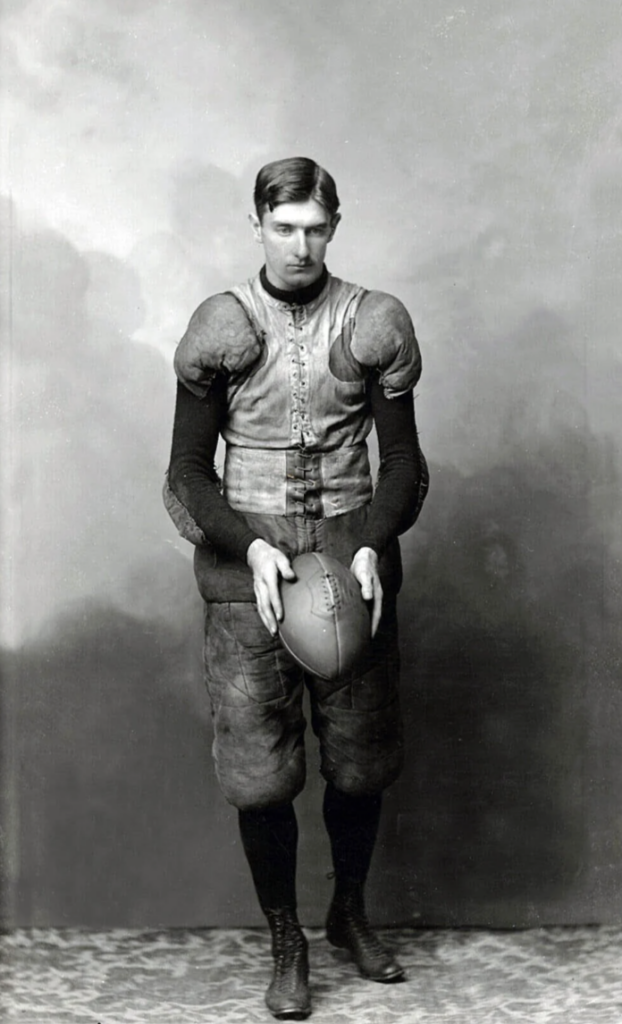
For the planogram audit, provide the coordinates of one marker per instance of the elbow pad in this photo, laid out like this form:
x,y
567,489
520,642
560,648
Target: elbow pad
x,y
184,522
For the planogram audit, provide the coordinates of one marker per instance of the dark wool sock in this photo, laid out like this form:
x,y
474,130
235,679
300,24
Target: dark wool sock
x,y
270,841
352,826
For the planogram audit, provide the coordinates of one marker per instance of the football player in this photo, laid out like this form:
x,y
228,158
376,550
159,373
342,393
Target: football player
x,y
292,369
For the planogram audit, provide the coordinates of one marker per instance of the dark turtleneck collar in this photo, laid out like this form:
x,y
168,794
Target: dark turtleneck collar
x,y
299,296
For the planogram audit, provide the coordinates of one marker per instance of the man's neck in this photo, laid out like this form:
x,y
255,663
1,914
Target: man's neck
x,y
299,296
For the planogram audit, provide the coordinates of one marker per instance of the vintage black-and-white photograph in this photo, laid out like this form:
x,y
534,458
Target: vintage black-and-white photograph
x,y
310,491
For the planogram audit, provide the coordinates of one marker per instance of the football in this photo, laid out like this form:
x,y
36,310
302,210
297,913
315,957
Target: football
x,y
326,624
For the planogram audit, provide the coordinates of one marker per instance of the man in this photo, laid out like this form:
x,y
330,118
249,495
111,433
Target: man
x,y
292,368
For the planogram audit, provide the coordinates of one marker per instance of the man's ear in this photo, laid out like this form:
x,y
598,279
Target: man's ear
x,y
256,226
333,226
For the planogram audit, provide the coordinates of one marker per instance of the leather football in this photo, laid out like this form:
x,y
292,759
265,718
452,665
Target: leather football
x,y
326,624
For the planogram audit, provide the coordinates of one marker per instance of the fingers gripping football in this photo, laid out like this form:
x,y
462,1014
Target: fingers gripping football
x,y
268,564
364,568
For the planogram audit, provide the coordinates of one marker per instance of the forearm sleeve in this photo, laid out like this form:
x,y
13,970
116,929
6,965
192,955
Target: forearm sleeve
x,y
192,477
403,473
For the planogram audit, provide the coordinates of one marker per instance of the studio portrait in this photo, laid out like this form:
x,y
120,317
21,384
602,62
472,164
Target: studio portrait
x,y
310,512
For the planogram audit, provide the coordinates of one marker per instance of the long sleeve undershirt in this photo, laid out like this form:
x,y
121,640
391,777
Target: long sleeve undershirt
x,y
194,480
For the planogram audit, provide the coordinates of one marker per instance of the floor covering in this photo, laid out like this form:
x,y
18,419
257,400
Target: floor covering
x,y
204,976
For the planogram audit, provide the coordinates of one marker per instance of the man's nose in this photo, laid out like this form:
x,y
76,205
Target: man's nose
x,y
302,245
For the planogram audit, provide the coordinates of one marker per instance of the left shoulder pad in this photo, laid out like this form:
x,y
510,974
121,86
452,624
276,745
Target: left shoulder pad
x,y
384,338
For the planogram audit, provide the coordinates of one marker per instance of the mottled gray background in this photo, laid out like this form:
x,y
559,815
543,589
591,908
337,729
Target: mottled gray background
x,y
478,153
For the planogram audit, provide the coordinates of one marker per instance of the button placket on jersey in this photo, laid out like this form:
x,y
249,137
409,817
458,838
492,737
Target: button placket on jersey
x,y
299,375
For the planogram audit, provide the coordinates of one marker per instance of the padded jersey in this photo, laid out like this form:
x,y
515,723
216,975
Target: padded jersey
x,y
220,341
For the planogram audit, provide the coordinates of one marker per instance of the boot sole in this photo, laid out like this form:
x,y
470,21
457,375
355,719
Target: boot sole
x,y
296,1013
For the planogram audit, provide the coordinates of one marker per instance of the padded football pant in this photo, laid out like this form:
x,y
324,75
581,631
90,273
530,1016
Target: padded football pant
x,y
256,689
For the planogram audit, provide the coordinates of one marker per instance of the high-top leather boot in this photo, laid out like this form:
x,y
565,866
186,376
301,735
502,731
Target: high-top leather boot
x,y
347,928
288,996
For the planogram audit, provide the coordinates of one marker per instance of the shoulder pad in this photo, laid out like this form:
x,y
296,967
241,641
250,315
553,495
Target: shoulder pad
x,y
384,338
219,338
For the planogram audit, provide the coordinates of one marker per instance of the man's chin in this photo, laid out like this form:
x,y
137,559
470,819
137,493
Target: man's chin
x,y
300,276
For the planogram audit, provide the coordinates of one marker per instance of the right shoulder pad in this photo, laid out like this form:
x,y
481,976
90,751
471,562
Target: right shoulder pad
x,y
220,339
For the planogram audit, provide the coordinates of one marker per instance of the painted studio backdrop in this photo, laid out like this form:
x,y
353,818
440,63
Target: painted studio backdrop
x,y
478,153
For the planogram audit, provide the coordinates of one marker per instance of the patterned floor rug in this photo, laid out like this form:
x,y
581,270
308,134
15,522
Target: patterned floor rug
x,y
540,976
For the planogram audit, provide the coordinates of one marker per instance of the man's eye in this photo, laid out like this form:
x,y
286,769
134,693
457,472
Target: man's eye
x,y
283,231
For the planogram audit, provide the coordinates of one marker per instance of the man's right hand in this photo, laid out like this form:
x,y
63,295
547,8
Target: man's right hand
x,y
268,564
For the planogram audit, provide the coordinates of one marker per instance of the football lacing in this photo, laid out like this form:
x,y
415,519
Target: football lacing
x,y
332,590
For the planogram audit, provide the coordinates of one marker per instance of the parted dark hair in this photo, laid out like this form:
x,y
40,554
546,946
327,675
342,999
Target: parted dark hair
x,y
294,180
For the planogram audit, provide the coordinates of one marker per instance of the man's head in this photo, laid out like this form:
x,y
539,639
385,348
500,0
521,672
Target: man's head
x,y
294,180
295,218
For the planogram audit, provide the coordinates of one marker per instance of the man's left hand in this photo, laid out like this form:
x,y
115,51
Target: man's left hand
x,y
365,569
